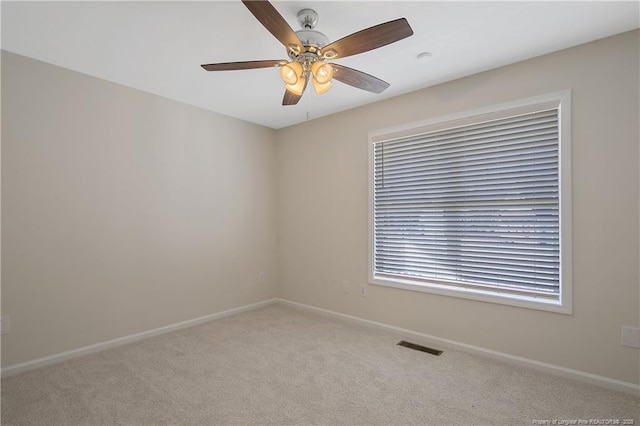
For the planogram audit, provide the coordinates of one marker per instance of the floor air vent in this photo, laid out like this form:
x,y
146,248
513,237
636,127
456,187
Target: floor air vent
x,y
420,348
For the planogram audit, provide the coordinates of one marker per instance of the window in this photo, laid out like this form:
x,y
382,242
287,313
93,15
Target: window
x,y
476,205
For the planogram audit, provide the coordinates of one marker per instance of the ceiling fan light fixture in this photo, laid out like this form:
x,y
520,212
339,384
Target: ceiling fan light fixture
x,y
321,87
308,50
322,72
291,72
298,87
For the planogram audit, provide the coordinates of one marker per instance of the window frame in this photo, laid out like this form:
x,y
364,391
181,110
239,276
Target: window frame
x,y
561,100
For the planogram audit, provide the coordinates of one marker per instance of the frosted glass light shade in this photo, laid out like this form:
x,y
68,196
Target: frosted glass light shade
x,y
322,72
296,88
321,88
291,72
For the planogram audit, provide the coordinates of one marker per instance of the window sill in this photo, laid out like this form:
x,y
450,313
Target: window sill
x,y
530,302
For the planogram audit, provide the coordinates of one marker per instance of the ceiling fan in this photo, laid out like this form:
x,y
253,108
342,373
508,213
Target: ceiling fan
x,y
308,51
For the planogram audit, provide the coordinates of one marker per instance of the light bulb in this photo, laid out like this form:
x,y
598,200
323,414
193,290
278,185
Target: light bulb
x,y
322,72
321,87
291,72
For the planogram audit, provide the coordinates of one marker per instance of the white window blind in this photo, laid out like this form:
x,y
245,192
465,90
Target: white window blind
x,y
474,206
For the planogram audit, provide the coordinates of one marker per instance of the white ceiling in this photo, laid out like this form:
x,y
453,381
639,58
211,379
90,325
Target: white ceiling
x,y
158,46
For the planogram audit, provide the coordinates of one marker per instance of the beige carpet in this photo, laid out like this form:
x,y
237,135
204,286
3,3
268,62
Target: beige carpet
x,y
280,365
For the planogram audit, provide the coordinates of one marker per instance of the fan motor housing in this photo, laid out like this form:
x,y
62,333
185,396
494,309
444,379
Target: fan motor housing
x,y
312,38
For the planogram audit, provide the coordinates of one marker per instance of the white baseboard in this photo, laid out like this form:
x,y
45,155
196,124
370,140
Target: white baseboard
x,y
581,376
74,353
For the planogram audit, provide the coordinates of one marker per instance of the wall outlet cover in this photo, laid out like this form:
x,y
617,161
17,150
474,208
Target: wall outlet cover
x,y
363,290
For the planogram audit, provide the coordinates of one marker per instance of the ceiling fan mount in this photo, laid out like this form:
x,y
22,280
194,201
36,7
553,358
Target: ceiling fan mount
x,y
308,50
307,18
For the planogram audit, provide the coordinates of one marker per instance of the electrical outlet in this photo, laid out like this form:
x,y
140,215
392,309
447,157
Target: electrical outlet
x,y
262,278
346,287
4,325
363,290
630,336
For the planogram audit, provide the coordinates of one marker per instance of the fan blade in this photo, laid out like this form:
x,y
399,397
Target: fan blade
x,y
370,38
247,65
292,98
273,22
358,79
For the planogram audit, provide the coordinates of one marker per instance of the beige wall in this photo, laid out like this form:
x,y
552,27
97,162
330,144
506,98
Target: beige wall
x,y
124,211
322,212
